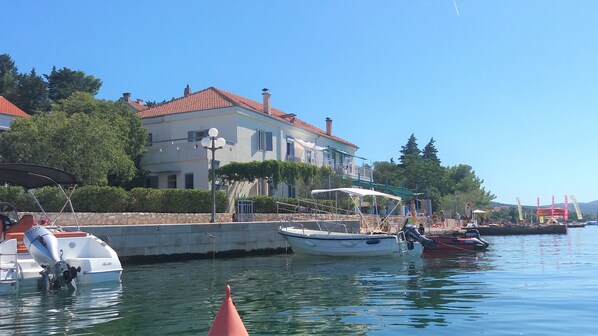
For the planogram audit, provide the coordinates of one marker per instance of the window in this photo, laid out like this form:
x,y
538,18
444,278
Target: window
x,y
290,151
152,182
189,181
150,139
196,135
171,181
264,140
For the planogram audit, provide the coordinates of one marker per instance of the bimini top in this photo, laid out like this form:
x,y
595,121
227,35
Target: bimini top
x,y
356,192
31,176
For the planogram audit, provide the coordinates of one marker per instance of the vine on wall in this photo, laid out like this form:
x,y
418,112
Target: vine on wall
x,y
276,171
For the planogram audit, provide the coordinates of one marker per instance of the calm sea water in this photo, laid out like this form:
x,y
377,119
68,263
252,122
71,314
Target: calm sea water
x,y
524,285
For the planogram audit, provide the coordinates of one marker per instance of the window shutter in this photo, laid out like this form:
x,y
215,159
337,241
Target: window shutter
x,y
268,141
260,139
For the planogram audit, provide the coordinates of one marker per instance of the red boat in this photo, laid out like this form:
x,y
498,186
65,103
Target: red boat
x,y
470,240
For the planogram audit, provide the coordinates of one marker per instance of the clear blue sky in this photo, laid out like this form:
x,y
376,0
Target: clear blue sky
x,y
508,87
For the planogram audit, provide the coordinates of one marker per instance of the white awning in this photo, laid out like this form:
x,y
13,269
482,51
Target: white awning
x,y
309,145
356,192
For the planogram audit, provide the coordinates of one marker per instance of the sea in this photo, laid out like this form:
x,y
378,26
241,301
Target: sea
x,y
523,285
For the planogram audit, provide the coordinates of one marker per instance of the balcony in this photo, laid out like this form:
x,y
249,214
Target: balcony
x,y
351,170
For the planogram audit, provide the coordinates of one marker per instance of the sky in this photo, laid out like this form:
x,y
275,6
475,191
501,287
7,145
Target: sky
x,y
507,87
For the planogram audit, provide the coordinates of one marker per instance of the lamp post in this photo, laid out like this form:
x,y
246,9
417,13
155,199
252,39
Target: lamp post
x,y
212,143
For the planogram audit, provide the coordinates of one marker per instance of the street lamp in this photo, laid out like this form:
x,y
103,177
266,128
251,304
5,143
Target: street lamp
x,y
212,143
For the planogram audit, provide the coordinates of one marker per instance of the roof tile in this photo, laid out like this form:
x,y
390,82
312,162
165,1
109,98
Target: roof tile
x,y
214,98
9,108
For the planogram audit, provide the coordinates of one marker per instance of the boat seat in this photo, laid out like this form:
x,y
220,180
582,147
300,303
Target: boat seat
x,y
21,248
25,223
69,234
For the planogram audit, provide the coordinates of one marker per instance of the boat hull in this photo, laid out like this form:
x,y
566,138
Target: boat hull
x,y
98,263
455,244
335,244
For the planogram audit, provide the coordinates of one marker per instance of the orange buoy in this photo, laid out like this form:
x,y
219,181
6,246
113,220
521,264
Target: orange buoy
x,y
227,321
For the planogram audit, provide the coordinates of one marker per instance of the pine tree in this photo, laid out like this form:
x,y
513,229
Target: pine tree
x,y
430,152
409,149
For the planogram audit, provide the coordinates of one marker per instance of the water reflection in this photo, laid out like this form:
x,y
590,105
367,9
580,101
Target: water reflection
x,y
275,295
59,313
521,283
357,296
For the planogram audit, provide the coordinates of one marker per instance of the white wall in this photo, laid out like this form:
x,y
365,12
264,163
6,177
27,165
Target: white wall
x,y
171,153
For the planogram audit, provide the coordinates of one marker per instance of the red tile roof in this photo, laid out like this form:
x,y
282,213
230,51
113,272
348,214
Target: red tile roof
x,y
9,108
214,98
137,106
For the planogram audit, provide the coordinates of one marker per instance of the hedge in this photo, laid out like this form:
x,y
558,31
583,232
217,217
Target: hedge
x,y
113,199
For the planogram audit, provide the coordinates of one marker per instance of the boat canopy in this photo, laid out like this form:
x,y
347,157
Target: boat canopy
x,y
32,176
356,192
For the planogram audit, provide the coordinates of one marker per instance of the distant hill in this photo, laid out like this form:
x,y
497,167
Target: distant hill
x,y
589,208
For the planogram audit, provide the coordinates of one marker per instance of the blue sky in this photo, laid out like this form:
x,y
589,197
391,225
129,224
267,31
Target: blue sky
x,y
508,87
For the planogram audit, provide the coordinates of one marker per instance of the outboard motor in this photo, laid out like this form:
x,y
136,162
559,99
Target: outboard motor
x,y
43,246
411,233
473,233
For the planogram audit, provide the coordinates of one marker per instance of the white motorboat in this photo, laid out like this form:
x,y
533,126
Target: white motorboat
x,y
39,252
322,236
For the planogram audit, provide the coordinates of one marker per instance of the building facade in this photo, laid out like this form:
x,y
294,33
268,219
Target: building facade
x,y
253,131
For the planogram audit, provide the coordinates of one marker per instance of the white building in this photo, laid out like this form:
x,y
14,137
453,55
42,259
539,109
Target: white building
x,y
8,113
253,132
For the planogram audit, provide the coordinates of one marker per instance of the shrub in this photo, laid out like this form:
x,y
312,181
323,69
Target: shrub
x,y
145,200
100,199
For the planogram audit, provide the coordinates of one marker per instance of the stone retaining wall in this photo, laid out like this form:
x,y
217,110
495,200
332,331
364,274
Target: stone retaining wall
x,y
140,243
140,218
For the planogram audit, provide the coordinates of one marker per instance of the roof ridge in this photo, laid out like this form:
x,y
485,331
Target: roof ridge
x,y
177,99
240,102
225,95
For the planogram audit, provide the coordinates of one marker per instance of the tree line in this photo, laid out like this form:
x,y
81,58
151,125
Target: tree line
x,y
102,141
449,188
99,141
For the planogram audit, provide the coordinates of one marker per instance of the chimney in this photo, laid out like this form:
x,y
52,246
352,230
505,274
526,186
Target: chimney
x,y
328,126
187,91
266,93
140,101
127,96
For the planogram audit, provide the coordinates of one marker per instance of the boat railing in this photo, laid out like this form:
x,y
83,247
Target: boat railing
x,y
332,219
306,214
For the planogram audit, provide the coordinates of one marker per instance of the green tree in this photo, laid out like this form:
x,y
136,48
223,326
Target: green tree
x,y
409,149
64,82
126,125
430,152
8,77
85,145
448,188
125,121
465,187
424,176
100,143
387,173
31,93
